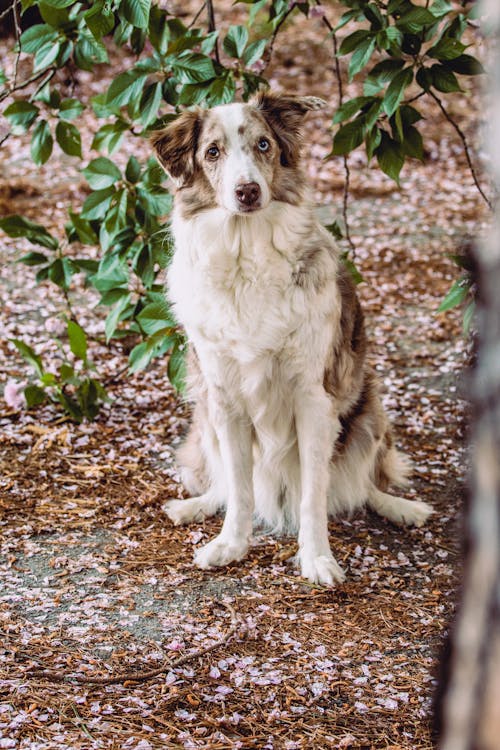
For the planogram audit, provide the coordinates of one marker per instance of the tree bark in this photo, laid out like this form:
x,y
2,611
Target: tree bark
x,y
471,703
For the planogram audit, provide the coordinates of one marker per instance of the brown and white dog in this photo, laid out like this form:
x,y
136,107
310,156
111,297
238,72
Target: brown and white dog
x,y
287,425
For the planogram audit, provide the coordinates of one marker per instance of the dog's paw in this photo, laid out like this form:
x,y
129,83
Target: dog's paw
x,y
416,513
322,569
220,551
182,511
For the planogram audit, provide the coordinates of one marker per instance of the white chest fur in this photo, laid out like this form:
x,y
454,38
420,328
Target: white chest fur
x,y
232,279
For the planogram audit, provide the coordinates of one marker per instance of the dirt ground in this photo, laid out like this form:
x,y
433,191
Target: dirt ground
x,y
110,637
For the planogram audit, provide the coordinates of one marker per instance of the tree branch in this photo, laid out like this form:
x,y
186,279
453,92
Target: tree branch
x,y
347,172
166,665
269,51
211,26
26,83
463,138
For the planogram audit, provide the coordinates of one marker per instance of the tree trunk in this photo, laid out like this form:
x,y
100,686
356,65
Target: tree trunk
x,y
471,703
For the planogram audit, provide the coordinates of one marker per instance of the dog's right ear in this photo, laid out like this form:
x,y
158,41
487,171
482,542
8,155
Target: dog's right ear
x,y
175,146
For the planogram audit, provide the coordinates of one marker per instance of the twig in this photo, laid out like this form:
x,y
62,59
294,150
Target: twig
x,y
198,14
17,27
347,172
269,52
463,138
150,674
7,10
211,26
25,83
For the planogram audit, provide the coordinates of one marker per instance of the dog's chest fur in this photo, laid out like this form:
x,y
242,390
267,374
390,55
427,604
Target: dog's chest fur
x,y
238,283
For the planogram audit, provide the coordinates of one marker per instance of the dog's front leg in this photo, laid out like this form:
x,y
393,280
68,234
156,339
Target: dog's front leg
x,y
234,432
317,428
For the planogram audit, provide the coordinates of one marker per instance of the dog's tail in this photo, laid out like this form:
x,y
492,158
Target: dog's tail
x,y
391,466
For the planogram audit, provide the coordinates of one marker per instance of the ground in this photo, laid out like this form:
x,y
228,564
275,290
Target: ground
x,y
97,585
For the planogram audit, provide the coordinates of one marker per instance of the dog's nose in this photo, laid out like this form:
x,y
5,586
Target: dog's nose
x,y
248,194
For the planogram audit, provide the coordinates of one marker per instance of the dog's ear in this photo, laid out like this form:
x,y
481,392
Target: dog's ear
x,y
284,114
175,146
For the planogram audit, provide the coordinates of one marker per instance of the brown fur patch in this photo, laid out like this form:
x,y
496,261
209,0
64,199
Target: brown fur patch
x,y
175,145
285,115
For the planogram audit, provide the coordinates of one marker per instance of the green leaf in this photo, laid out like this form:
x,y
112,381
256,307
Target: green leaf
x,y
353,270
334,230
353,41
457,294
176,369
59,3
110,136
390,156
115,314
34,396
235,41
61,271
133,170
46,56
159,32
140,356
55,17
150,103
88,51
349,108
444,79
29,356
100,19
222,90
193,68
70,108
136,12
254,52
372,141
441,8
101,173
126,87
155,317
360,57
412,143
348,137
83,229
465,65
66,373
156,201
77,340
21,114
41,143
33,259
36,37
18,226
70,406
69,138
396,89
446,49
350,15
415,19
380,74
424,78
97,204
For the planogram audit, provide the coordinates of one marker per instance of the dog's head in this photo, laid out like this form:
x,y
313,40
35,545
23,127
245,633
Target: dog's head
x,y
236,156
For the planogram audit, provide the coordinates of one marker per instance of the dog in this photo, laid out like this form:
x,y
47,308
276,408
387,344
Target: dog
x,y
288,425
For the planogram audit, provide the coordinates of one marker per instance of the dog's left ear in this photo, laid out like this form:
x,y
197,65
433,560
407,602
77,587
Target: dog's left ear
x,y
285,114
175,146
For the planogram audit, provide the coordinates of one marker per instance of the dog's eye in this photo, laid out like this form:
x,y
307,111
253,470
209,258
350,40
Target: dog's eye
x,y
263,144
212,152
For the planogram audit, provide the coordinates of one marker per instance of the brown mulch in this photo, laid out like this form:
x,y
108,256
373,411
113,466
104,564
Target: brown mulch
x,y
96,584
